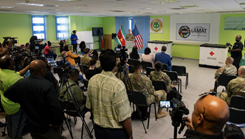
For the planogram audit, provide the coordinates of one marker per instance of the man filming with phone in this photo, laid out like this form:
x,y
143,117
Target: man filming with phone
x,y
208,118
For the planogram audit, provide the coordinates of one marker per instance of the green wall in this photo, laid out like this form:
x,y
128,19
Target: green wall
x,y
166,29
186,51
51,28
109,27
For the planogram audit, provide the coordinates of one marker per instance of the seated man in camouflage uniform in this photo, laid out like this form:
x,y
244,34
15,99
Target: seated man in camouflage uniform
x,y
141,83
227,69
235,86
85,58
158,75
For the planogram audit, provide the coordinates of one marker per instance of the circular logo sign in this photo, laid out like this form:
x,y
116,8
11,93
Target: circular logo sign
x,y
156,25
184,31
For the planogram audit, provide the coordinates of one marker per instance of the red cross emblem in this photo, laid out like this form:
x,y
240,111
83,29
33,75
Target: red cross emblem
x,y
156,48
211,53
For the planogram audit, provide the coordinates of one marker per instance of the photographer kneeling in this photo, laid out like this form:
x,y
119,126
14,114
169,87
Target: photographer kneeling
x,y
208,118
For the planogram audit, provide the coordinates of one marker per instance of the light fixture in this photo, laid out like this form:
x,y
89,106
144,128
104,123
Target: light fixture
x,y
114,5
36,4
202,10
144,8
6,7
166,1
163,11
189,6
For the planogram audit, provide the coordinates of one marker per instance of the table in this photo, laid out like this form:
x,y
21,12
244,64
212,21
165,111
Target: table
x,y
213,55
156,47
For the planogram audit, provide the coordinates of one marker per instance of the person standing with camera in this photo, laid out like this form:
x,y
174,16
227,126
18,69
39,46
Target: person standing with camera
x,y
108,101
236,51
74,40
208,118
14,112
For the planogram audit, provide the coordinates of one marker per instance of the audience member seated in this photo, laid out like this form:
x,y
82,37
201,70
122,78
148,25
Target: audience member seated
x,y
208,118
148,56
94,54
134,54
65,58
233,132
164,58
235,86
76,90
62,45
28,51
70,56
92,69
108,101
39,101
143,84
8,77
227,69
48,52
158,75
82,46
22,46
85,58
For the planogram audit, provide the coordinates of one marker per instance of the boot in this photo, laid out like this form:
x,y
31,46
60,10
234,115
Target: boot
x,y
161,114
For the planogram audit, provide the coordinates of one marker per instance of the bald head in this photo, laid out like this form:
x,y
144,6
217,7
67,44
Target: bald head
x,y
229,60
37,67
238,38
6,62
241,71
210,115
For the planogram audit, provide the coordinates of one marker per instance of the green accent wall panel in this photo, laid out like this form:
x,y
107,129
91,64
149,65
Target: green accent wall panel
x,y
166,29
186,51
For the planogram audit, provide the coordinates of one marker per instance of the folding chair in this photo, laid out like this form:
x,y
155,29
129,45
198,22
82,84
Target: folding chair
x,y
160,85
164,67
223,80
131,61
173,75
181,70
149,70
145,65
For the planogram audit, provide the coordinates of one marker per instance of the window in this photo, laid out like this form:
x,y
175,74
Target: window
x,y
38,27
61,27
131,24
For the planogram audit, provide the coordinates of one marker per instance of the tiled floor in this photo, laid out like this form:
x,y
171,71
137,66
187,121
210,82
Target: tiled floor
x,y
200,80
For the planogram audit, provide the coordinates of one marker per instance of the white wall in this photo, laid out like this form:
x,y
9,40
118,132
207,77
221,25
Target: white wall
x,y
212,18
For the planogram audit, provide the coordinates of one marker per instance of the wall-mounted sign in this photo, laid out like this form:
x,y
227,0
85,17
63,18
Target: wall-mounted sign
x,y
235,23
156,25
193,31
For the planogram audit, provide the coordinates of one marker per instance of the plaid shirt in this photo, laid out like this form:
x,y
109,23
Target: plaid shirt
x,y
108,100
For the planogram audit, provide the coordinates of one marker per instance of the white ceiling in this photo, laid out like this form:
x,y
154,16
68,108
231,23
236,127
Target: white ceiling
x,y
120,7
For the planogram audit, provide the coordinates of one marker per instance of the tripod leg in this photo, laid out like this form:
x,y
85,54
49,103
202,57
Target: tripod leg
x,y
137,109
68,127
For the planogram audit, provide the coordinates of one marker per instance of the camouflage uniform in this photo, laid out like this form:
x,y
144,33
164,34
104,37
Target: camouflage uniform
x,y
161,76
234,87
85,60
130,37
226,70
141,83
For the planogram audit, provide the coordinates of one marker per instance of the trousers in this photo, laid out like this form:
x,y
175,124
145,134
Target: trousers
x,y
108,133
237,61
74,48
15,124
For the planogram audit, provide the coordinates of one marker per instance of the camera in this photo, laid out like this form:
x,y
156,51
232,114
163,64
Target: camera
x,y
12,39
228,44
123,55
18,55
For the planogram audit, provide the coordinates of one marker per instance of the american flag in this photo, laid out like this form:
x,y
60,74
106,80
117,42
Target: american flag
x,y
138,40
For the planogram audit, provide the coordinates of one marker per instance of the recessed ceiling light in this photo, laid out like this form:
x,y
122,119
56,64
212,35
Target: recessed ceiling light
x,y
115,5
166,1
189,6
6,7
36,4
163,11
144,8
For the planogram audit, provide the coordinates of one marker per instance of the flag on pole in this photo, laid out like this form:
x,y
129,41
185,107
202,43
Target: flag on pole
x,y
138,40
120,39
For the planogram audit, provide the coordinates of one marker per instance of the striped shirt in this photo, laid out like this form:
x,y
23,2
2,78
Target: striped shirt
x,y
108,100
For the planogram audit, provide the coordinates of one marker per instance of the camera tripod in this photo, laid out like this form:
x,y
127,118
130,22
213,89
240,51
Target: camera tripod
x,y
64,82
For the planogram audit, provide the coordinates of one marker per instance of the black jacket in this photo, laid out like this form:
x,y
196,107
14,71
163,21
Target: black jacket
x,y
192,134
39,101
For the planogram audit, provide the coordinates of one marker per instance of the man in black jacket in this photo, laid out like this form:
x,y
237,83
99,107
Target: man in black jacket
x,y
208,118
39,102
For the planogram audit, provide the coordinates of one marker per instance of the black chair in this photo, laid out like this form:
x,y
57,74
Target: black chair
x,y
131,61
149,70
181,70
145,65
71,111
160,85
173,75
131,69
237,111
225,79
164,67
139,99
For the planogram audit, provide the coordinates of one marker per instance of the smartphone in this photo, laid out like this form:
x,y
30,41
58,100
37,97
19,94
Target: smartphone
x,y
164,104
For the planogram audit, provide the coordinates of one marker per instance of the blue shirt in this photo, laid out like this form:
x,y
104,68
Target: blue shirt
x,y
165,59
73,37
